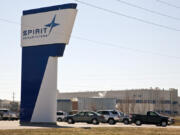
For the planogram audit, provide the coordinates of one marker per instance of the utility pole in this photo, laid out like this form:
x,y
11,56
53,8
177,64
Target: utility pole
x,y
13,96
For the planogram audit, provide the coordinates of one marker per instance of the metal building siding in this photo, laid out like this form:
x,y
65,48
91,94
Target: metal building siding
x,y
64,105
95,104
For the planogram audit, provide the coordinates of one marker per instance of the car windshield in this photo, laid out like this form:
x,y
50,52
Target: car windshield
x,y
59,113
104,112
153,114
97,113
156,113
114,112
81,113
3,110
90,113
121,113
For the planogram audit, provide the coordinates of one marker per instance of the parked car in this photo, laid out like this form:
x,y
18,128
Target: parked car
x,y
111,116
85,116
2,111
60,115
171,121
6,114
150,118
124,118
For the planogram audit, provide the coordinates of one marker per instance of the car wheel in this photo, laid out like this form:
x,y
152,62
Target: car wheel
x,y
59,119
163,123
111,121
95,121
126,121
70,121
138,122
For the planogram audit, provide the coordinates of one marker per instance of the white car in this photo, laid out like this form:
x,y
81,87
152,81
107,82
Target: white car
x,y
8,115
124,118
61,115
111,116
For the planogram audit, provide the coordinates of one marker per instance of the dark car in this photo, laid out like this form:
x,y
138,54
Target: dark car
x,y
150,118
85,116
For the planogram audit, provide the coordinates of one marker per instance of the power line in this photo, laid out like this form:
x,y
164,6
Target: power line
x,y
107,44
125,48
103,43
127,16
116,13
8,21
13,96
148,10
168,4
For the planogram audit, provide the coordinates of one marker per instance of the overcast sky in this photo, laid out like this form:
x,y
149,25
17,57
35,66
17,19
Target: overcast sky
x,y
126,54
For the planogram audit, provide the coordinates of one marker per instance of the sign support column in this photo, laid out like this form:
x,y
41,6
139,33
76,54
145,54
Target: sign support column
x,y
44,35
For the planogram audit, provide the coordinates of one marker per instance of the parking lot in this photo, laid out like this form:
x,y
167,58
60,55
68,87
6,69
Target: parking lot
x,y
15,125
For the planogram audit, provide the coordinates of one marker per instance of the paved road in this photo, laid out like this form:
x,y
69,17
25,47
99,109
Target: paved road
x,y
15,125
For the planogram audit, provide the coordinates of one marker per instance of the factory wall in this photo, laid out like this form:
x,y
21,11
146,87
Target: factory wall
x,y
64,105
95,104
135,101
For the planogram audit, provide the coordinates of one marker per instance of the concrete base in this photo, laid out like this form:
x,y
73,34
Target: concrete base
x,y
39,124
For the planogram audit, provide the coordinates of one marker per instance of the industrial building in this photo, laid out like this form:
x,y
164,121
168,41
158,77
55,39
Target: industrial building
x,y
11,105
64,105
95,104
130,101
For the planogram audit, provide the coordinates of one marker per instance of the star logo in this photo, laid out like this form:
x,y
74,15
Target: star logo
x,y
52,24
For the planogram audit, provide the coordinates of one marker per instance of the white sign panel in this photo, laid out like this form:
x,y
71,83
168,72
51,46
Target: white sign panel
x,y
47,28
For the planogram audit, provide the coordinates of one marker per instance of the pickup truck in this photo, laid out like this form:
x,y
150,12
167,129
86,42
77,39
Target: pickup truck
x,y
150,118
